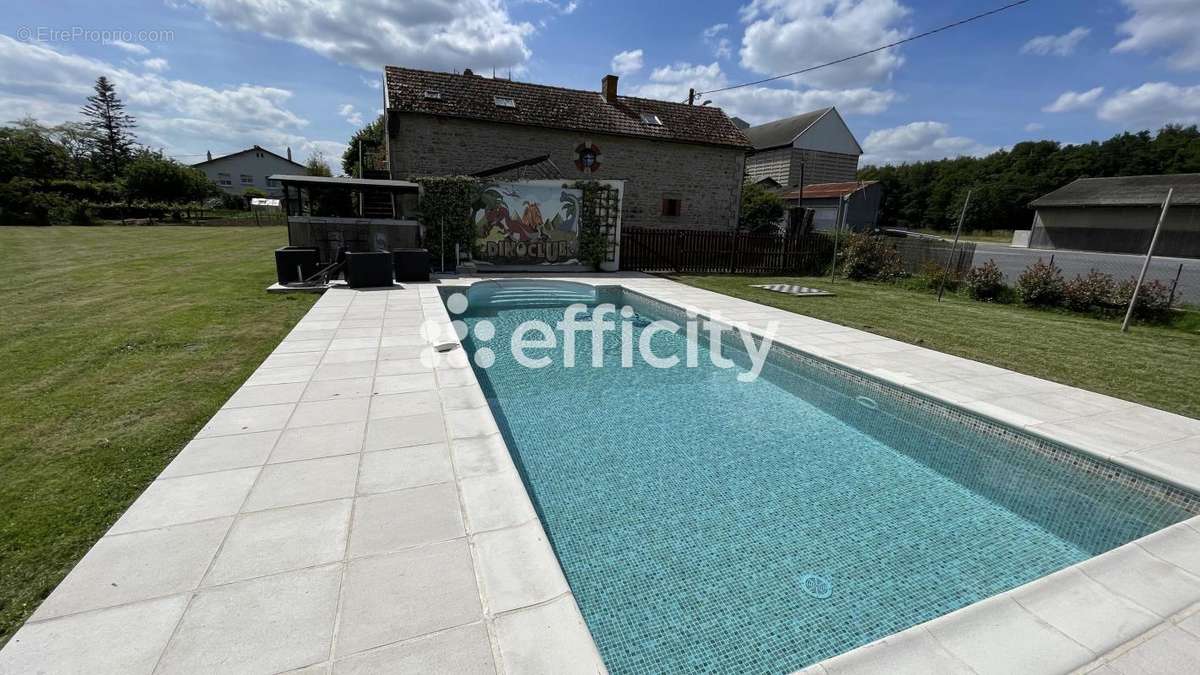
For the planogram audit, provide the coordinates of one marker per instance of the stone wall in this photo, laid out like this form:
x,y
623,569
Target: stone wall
x,y
707,179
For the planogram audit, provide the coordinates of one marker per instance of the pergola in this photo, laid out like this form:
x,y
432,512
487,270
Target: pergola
x,y
361,214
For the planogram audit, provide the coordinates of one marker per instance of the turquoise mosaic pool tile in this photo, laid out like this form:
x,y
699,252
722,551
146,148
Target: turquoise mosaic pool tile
x,y
688,509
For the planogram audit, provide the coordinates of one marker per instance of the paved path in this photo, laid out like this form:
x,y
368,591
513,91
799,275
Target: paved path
x,y
1012,261
352,509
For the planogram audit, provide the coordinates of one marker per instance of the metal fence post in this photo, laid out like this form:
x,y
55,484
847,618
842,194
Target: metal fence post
x,y
1174,285
957,233
1146,264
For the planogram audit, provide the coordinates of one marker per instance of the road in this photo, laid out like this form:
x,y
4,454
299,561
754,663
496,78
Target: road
x,y
1012,261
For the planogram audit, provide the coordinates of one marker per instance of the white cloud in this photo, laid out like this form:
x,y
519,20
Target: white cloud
x,y
1074,100
1056,45
628,62
177,115
757,104
128,47
570,7
1033,127
722,49
1153,105
786,35
158,65
916,142
1171,25
352,116
434,34
372,82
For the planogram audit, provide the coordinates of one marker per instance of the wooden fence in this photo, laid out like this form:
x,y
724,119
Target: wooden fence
x,y
723,252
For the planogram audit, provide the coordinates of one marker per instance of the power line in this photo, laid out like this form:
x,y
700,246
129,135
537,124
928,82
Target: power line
x,y
870,51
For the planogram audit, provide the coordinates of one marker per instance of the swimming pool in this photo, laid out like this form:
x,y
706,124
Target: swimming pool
x,y
706,524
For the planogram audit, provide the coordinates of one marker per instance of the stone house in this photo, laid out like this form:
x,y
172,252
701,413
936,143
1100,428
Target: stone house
x,y
682,164
814,148
250,168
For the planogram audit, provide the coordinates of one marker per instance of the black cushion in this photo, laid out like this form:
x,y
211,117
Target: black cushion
x,y
369,270
412,264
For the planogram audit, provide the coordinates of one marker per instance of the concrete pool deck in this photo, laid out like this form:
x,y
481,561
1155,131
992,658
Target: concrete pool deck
x,y
352,510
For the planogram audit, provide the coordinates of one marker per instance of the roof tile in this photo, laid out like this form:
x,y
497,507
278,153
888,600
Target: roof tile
x,y
473,97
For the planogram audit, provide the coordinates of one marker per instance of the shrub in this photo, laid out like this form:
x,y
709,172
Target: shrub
x,y
1153,303
932,276
985,282
870,257
1092,293
1040,285
762,210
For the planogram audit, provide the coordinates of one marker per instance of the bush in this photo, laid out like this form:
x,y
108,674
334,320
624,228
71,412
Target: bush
x,y
867,257
986,282
1092,293
933,275
1040,285
1153,303
762,210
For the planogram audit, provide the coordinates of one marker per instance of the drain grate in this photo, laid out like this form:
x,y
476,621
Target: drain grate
x,y
816,586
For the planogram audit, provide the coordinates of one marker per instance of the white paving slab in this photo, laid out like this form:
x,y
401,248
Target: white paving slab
x,y
352,509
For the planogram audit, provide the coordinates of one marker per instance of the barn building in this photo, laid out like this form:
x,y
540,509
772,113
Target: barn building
x,y
1118,215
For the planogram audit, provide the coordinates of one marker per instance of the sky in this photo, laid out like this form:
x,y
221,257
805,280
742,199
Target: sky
x,y
221,75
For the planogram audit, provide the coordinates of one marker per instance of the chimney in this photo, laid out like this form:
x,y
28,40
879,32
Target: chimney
x,y
289,153
608,87
467,72
209,153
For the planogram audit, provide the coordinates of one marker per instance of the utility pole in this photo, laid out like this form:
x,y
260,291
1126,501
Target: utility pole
x,y
360,175
957,233
1146,264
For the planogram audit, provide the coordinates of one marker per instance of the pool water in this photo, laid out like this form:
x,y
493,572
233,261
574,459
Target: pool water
x,y
710,525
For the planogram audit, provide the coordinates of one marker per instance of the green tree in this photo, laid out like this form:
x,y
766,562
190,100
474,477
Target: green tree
x,y
27,150
317,165
155,178
761,211
113,129
371,139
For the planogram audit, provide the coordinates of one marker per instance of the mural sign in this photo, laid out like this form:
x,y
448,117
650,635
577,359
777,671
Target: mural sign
x,y
532,223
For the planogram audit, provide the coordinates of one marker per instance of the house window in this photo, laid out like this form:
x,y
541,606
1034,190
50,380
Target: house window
x,y
651,119
247,179
433,95
272,183
672,206
224,179
504,102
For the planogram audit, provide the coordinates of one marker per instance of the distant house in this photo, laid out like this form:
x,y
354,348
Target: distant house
x,y
682,164
825,200
816,147
250,168
1118,215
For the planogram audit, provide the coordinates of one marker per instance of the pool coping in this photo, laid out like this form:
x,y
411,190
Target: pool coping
x,y
1111,607
1124,601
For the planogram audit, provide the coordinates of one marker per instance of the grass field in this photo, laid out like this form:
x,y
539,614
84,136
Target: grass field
x,y
117,345
1156,366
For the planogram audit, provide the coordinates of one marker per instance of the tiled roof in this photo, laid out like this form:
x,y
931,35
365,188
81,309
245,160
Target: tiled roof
x,y
826,190
784,131
473,97
1125,191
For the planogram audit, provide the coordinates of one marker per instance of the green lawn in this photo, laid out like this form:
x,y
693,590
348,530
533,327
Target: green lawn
x,y
117,344
1156,366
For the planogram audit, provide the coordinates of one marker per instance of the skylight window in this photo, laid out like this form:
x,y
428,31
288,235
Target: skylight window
x,y
503,102
433,95
651,119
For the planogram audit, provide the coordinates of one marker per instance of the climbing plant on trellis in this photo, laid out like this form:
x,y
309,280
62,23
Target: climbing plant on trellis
x,y
446,203
600,212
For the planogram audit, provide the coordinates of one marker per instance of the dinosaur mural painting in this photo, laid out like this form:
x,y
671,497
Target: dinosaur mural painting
x,y
527,224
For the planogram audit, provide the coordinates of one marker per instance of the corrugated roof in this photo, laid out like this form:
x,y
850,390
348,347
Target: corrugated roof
x,y
474,97
1125,191
784,131
826,190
